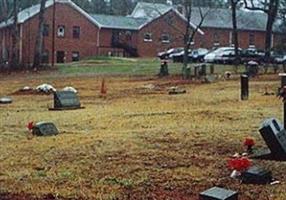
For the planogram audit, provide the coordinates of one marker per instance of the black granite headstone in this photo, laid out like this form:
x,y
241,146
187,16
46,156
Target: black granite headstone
x,y
217,193
274,136
45,129
66,100
256,175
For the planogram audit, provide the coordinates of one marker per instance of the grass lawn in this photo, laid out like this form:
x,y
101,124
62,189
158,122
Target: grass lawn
x,y
136,143
125,66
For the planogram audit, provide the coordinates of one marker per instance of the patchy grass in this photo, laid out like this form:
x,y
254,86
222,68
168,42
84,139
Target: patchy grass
x,y
126,66
136,143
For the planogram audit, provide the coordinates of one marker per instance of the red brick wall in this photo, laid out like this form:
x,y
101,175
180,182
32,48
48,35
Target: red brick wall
x,y
86,45
169,23
207,40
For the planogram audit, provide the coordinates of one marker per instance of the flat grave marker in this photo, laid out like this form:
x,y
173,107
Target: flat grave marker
x,y
256,175
217,193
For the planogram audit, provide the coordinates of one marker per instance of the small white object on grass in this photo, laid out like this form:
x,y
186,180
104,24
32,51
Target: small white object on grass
x,y
46,88
70,89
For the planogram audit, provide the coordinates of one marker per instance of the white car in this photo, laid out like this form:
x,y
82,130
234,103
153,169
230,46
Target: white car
x,y
210,57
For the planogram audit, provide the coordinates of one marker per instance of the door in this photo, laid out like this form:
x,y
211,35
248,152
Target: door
x,y
60,56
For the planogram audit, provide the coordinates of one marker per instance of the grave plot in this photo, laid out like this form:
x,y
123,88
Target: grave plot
x,y
66,100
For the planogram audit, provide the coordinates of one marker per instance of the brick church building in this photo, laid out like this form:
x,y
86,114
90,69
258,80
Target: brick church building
x,y
149,29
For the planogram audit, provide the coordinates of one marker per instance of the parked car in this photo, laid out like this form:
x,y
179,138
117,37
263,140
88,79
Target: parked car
x,y
227,56
252,54
280,59
179,56
168,54
198,55
210,57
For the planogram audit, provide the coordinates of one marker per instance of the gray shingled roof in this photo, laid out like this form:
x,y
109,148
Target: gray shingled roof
x,y
28,13
221,18
150,10
119,22
216,18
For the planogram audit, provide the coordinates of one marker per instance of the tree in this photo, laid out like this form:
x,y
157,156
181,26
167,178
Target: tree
x,y
270,7
190,32
234,4
14,59
3,10
39,39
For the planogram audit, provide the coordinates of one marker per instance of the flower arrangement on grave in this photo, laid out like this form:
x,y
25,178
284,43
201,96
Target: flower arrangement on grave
x,y
238,165
249,143
30,127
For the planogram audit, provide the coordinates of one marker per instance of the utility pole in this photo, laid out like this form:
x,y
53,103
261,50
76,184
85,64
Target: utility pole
x,y
53,33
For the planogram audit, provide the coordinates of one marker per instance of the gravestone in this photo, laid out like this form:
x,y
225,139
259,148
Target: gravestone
x,y
244,82
256,175
6,100
274,136
45,129
64,100
217,193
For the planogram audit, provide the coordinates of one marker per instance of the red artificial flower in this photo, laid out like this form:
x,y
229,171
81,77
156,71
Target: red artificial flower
x,y
249,142
30,125
239,164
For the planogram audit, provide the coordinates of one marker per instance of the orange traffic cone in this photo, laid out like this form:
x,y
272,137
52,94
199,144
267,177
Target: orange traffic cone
x,y
103,89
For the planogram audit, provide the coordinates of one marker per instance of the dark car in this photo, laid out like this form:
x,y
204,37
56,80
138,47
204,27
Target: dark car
x,y
179,56
252,54
168,54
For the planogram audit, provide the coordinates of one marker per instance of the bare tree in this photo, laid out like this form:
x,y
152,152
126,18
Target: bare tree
x,y
270,7
40,35
190,32
3,10
14,58
234,4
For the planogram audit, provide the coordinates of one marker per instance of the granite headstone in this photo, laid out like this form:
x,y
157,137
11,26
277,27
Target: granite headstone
x,y
45,129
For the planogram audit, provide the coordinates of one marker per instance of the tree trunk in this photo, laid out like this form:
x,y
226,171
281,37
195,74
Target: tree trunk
x,y
40,35
4,10
272,14
14,59
235,33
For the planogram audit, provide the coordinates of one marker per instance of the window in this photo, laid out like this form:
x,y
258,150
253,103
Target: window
x,y
46,30
251,39
165,38
148,37
216,39
75,56
45,57
76,32
61,31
